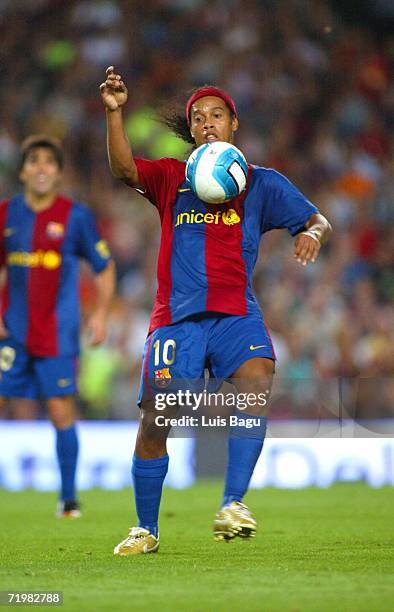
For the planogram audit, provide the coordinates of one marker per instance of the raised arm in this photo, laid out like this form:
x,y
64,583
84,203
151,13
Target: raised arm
x,y
114,96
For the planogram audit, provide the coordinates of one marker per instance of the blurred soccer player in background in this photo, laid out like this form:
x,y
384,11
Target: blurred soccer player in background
x,y
43,235
205,310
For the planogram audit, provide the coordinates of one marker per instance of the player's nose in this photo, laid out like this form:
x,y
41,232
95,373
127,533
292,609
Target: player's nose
x,y
42,169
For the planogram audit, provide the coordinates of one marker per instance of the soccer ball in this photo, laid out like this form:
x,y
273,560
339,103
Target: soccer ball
x,y
217,172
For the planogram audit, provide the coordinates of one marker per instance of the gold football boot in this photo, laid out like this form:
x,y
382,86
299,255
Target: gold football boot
x,y
139,541
234,520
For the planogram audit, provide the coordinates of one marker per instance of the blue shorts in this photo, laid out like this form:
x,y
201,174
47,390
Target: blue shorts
x,y
182,351
26,376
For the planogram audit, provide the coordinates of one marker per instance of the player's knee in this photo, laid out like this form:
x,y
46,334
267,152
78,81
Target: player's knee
x,y
150,432
148,447
151,439
253,381
62,421
61,411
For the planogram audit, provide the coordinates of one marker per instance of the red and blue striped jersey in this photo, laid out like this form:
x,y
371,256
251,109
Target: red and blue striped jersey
x,y
41,251
208,252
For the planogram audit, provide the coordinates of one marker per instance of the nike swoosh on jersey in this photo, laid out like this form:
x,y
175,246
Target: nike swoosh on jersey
x,y
183,190
253,348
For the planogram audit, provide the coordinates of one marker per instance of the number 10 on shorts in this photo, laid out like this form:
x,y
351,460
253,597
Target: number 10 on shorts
x,y
166,350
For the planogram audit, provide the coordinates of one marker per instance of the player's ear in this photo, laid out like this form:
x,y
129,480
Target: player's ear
x,y
234,124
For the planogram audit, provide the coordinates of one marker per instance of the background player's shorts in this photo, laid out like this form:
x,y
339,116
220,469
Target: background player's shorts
x,y
183,350
23,375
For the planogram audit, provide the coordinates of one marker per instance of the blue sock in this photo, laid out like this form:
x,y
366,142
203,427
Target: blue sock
x,y
67,454
148,477
244,448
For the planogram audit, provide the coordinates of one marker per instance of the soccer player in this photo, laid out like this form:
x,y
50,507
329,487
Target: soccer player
x,y
205,310
43,235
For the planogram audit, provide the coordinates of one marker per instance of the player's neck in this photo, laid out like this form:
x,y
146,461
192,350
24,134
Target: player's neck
x,y
38,202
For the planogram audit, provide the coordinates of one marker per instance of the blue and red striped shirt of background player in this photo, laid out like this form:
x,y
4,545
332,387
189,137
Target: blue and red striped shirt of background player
x,y
41,251
208,252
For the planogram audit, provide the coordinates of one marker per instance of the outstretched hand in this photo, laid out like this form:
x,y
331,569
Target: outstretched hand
x,y
113,90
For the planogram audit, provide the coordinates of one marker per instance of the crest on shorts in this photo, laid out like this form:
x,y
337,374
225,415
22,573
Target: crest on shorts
x,y
55,230
162,377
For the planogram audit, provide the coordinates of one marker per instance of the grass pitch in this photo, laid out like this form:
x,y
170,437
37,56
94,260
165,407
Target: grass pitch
x,y
315,550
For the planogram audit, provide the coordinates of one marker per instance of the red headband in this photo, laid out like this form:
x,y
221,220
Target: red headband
x,y
209,91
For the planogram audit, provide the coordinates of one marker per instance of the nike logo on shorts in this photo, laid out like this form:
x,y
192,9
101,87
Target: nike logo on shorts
x,y
64,382
183,190
253,348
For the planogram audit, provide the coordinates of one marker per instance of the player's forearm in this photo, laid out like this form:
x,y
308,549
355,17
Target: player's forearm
x,y
319,227
119,152
105,285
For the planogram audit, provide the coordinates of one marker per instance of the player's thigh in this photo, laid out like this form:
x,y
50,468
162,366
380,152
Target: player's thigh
x,y
242,349
23,409
174,358
17,376
241,346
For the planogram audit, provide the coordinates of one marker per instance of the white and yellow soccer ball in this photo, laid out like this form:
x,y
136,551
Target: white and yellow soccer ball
x,y
217,172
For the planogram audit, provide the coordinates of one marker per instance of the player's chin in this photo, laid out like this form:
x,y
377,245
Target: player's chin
x,y
43,190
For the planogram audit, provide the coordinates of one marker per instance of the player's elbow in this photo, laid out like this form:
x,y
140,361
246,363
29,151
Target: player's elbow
x,y
127,174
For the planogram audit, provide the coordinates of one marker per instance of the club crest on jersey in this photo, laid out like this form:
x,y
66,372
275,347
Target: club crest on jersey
x,y
102,249
55,230
230,217
162,377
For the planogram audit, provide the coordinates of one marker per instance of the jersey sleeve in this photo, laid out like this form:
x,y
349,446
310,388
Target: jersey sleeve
x,y
285,207
90,245
159,178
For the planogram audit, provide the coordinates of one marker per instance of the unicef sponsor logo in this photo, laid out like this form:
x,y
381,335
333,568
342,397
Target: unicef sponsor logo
x,y
229,217
50,260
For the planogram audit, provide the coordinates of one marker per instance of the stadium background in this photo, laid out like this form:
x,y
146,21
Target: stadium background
x,y
312,85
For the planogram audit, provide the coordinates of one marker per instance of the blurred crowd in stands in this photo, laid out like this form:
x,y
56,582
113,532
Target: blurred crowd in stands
x,y
315,102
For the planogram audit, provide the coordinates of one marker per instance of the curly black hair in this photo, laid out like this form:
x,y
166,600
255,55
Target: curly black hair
x,y
175,120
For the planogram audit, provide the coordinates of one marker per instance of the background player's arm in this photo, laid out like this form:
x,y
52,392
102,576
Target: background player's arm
x,y
114,95
105,285
3,329
307,244
3,258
